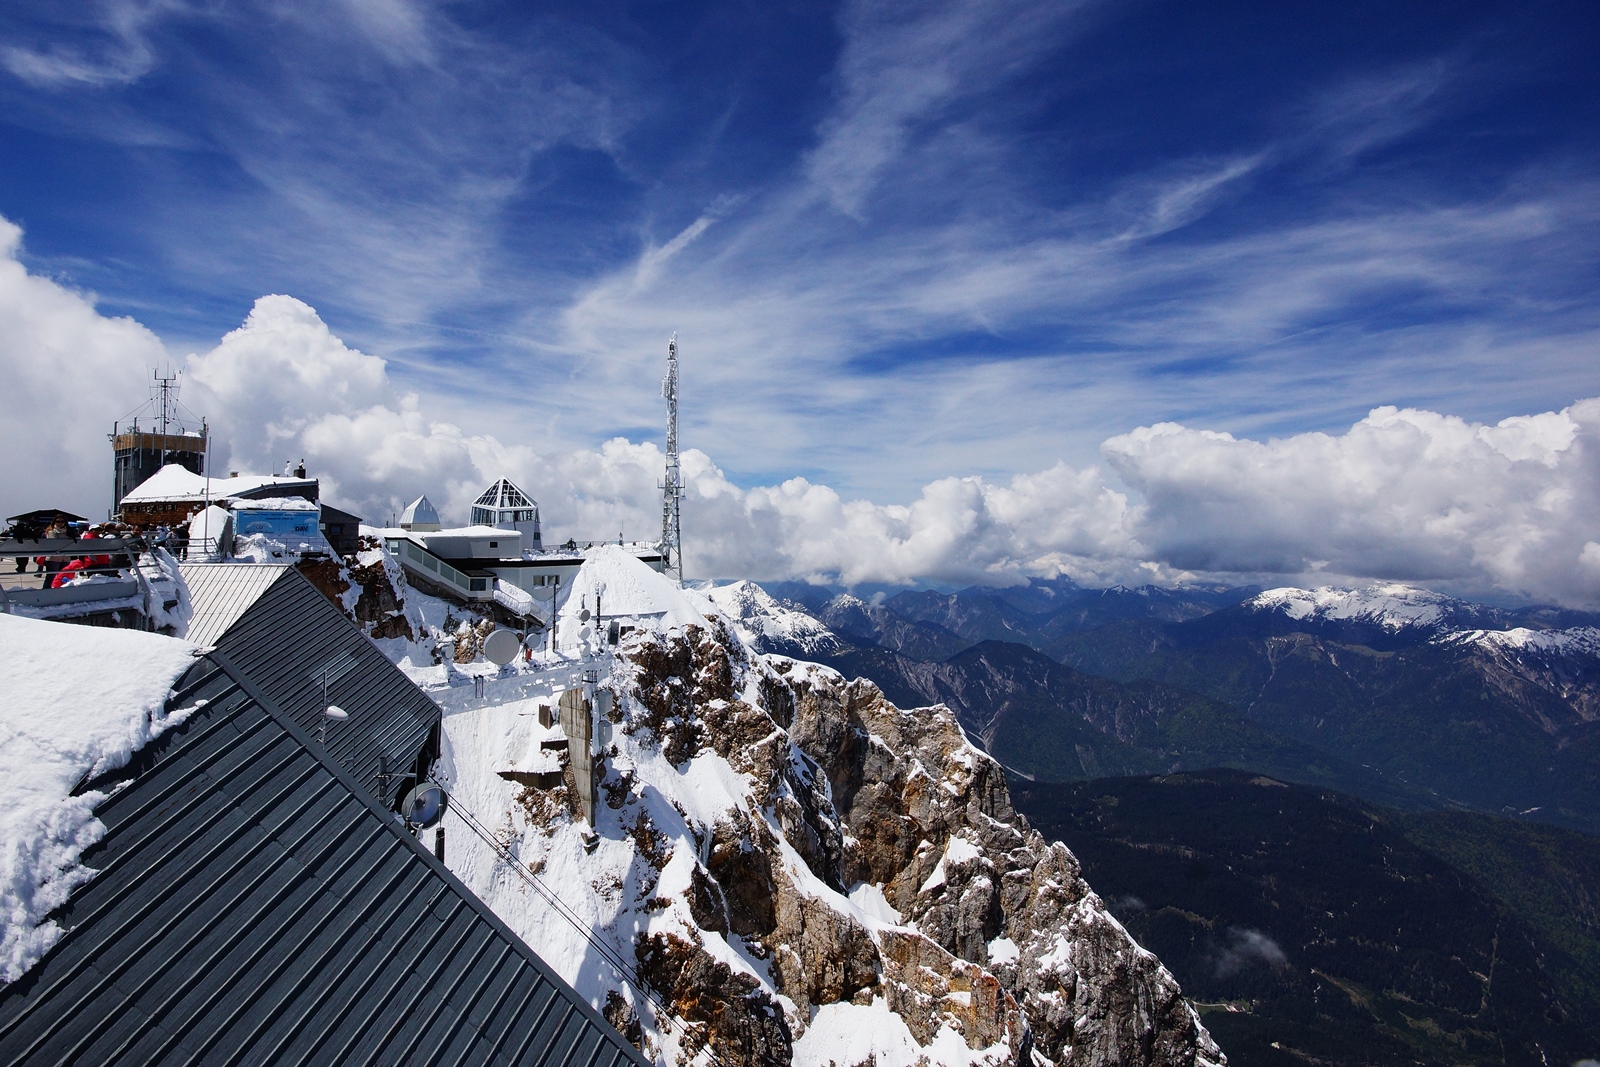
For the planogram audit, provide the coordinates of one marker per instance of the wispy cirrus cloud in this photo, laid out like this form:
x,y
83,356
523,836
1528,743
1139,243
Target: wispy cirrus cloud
x,y
111,44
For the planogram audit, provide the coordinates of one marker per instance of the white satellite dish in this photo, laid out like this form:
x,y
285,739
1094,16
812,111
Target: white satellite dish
x,y
424,805
501,647
334,712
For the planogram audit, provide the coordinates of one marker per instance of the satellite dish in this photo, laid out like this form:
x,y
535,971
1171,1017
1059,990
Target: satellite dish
x,y
501,647
424,805
583,616
334,712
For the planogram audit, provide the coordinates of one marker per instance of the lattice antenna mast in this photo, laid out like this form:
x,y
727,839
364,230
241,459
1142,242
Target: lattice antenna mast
x,y
165,394
672,487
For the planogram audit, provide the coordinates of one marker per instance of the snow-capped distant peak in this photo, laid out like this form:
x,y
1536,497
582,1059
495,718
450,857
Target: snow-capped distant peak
x,y
769,624
1390,605
1579,640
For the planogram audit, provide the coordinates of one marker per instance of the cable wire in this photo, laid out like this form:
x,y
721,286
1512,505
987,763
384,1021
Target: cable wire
x,y
688,1036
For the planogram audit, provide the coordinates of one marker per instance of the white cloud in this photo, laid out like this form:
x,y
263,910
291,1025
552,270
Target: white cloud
x,y
67,373
118,47
901,64
1403,494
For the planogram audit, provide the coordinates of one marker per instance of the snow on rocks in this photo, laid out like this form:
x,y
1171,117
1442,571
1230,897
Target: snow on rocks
x,y
1576,641
79,702
762,856
770,626
930,820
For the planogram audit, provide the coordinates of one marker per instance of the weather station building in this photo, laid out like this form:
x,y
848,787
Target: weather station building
x,y
166,438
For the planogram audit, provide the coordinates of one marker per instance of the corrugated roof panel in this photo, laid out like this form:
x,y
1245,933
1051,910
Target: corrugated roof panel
x,y
284,641
255,905
221,592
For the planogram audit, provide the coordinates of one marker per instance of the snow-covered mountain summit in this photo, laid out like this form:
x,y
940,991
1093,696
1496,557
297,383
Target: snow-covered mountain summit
x,y
770,625
1391,606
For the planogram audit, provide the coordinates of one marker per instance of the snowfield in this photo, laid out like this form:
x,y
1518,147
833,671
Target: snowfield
x,y
1577,641
79,701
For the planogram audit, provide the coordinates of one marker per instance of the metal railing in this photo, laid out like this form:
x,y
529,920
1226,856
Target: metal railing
x,y
419,560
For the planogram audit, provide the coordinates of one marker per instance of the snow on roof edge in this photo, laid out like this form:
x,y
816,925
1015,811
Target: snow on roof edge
x,y
80,701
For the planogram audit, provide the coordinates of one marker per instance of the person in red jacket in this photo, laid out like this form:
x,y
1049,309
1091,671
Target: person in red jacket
x,y
80,565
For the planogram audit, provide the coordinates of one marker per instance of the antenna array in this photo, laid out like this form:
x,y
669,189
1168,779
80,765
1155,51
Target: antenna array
x,y
165,395
672,487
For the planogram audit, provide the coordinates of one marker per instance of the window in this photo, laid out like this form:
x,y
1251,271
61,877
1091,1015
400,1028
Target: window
x,y
494,544
477,585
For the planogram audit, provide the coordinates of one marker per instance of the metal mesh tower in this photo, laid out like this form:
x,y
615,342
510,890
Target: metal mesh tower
x,y
672,487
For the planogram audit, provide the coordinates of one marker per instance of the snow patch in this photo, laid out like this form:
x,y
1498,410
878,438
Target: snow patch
x,y
79,702
842,1035
870,899
1003,950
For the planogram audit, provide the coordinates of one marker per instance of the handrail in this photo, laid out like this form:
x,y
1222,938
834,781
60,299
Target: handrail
x,y
419,559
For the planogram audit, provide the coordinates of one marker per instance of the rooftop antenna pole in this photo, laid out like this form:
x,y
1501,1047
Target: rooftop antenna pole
x,y
166,399
672,487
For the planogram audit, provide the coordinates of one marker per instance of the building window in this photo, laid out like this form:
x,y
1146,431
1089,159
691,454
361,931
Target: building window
x,y
477,585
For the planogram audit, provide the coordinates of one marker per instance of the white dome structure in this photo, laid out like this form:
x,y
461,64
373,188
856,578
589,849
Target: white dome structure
x,y
420,515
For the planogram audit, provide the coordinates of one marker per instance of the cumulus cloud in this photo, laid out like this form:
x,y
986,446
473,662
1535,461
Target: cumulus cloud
x,y
68,373
1408,495
1404,494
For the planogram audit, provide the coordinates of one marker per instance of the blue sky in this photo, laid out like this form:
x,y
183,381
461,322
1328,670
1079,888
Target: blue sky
x,y
899,241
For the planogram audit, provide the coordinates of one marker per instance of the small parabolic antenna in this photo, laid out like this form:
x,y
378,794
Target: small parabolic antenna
x,y
336,713
501,647
424,805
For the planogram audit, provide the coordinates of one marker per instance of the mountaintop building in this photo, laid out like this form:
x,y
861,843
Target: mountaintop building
x,y
506,507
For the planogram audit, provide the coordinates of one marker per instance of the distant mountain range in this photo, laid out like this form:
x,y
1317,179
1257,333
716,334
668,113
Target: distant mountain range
x,y
1396,694
1312,928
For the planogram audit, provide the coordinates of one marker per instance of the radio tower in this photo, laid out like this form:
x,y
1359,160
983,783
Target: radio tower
x,y
672,488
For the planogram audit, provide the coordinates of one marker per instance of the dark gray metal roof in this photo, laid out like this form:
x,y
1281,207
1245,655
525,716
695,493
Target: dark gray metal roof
x,y
284,641
254,904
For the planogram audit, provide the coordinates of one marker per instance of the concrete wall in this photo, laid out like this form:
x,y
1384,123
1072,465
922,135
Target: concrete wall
x,y
577,722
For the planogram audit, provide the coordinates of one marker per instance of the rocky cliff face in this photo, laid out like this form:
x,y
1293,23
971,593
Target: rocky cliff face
x,y
801,872
930,822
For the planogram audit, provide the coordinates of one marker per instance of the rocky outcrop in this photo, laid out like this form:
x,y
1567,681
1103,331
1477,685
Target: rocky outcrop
x,y
930,820
997,938
789,869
